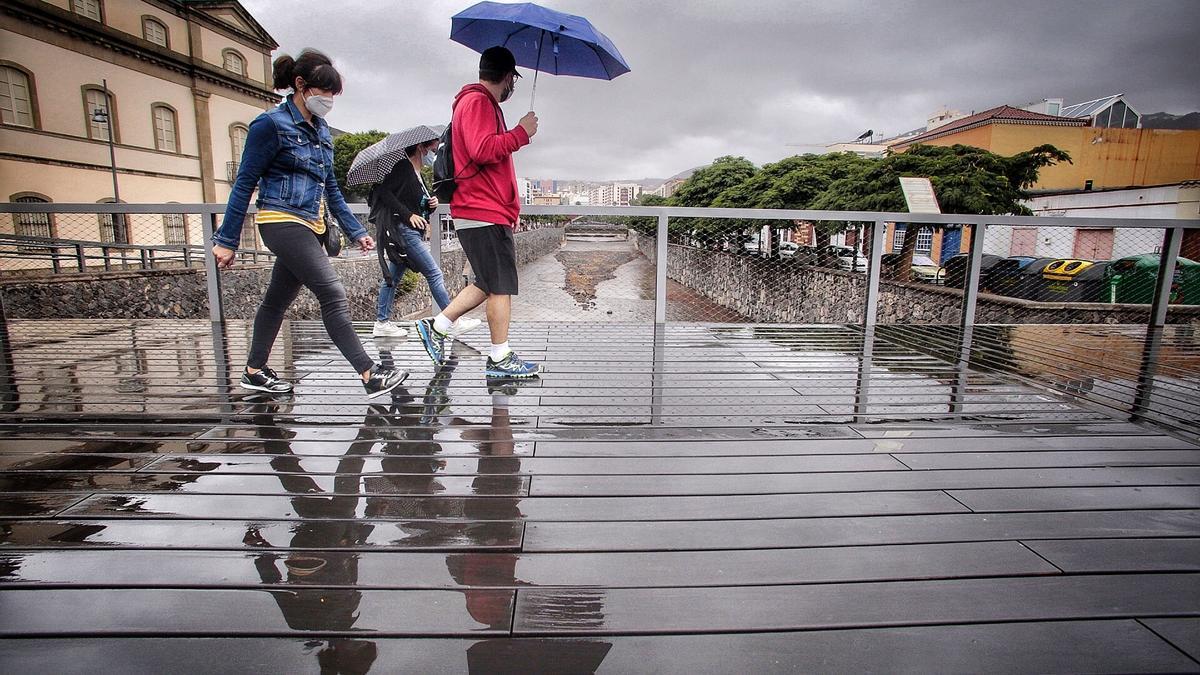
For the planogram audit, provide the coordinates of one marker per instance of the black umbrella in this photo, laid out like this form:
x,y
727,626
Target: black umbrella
x,y
373,164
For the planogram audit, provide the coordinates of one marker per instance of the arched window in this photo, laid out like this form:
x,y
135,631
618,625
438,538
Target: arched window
x,y
237,143
90,9
114,227
155,31
166,136
18,105
33,224
233,61
175,228
100,113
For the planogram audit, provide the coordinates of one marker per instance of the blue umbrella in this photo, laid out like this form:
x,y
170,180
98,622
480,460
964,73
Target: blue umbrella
x,y
540,38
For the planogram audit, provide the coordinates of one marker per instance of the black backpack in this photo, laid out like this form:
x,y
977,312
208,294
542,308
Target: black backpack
x,y
444,180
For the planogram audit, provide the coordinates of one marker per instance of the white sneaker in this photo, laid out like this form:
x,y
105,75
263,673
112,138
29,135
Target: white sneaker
x,y
464,325
388,329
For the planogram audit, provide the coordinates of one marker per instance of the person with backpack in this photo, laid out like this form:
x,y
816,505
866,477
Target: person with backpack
x,y
400,205
289,158
485,206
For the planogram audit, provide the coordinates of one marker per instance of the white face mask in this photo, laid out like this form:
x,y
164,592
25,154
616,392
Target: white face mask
x,y
428,158
319,105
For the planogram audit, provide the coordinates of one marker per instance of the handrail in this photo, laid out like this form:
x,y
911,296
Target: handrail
x,y
672,212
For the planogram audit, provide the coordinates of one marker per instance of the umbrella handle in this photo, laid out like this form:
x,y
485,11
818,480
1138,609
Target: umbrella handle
x,y
534,91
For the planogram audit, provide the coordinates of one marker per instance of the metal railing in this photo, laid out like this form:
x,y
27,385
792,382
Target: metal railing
x,y
1161,237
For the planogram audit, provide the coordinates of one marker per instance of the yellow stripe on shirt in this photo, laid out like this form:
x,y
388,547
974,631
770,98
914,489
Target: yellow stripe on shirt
x,y
265,216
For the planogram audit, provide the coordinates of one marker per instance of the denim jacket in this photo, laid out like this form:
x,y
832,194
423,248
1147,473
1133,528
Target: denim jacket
x,y
291,163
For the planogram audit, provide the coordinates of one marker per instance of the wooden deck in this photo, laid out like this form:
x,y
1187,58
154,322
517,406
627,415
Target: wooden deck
x,y
738,499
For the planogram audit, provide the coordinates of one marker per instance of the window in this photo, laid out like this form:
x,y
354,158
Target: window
x,y
175,229
925,239
98,125
1053,108
234,62
898,239
90,9
154,31
16,97
237,144
165,137
33,224
114,227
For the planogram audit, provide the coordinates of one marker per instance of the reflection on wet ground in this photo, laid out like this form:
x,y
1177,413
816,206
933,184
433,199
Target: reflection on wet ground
x,y
759,497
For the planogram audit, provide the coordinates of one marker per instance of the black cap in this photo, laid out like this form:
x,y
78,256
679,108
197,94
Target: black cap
x,y
498,60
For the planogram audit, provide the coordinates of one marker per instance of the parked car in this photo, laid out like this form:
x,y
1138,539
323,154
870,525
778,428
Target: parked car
x,y
841,257
803,255
923,268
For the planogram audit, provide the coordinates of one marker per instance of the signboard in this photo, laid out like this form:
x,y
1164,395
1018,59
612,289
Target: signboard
x,y
918,194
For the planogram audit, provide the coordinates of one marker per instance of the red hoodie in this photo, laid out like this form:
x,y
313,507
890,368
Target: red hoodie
x,y
487,183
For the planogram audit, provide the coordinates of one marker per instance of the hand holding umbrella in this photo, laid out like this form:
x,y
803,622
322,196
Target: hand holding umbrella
x,y
539,38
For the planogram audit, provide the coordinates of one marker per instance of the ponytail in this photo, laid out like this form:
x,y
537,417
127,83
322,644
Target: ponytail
x,y
312,66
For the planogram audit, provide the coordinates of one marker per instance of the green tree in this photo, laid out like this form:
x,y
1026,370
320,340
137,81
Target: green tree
x,y
965,179
345,148
647,224
702,190
792,183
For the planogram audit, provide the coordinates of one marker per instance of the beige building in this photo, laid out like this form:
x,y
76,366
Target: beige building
x,y
184,79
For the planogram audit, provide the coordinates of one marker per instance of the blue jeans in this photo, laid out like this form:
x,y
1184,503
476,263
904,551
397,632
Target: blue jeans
x,y
421,261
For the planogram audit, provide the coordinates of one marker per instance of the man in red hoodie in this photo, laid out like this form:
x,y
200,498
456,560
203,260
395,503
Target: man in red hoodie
x,y
485,209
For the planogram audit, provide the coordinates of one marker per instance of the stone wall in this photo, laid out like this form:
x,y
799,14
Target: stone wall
x,y
182,293
788,293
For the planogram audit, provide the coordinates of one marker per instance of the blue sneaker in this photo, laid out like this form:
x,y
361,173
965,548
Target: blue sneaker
x,y
512,366
435,342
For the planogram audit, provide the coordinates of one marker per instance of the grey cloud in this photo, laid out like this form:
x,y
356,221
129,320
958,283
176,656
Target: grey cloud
x,y
760,78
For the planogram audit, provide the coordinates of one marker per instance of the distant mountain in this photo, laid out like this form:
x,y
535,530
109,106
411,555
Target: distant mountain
x,y
1162,120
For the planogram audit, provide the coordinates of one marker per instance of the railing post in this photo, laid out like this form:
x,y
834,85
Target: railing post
x,y
216,308
146,257
187,257
79,257
107,258
435,235
972,281
871,308
660,271
54,262
1172,240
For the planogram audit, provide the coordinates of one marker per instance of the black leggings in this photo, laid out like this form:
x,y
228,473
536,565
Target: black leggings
x,y
301,261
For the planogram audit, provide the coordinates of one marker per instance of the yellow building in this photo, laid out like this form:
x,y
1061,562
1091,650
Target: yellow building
x,y
1101,157
184,79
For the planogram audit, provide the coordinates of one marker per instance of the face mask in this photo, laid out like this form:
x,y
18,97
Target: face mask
x,y
508,91
428,158
319,105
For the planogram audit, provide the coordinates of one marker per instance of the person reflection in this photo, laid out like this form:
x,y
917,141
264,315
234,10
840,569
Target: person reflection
x,y
499,473
321,593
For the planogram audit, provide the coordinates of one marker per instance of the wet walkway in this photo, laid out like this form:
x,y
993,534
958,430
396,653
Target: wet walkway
x,y
708,499
604,280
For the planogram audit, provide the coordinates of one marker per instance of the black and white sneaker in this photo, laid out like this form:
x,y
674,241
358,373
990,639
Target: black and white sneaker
x,y
265,380
383,380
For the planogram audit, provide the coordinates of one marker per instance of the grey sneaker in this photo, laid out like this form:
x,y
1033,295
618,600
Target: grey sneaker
x,y
512,366
433,341
383,380
265,380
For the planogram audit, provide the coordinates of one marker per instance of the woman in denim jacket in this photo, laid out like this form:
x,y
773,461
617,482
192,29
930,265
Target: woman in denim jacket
x,y
289,158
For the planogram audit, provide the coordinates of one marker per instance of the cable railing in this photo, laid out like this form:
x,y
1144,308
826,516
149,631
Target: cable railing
x,y
715,265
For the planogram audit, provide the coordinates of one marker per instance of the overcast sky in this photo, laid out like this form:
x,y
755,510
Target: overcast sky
x,y
761,78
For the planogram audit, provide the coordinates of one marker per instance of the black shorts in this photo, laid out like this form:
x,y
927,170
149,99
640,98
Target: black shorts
x,y
493,257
